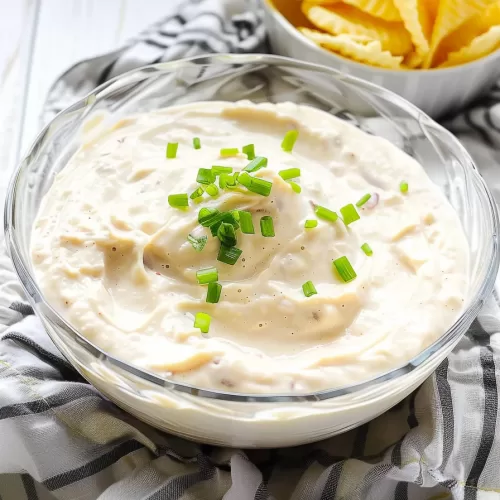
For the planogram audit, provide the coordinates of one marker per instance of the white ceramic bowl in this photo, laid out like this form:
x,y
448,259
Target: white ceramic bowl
x,y
435,91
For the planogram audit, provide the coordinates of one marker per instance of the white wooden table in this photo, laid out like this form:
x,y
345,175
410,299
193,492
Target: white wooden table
x,y
39,39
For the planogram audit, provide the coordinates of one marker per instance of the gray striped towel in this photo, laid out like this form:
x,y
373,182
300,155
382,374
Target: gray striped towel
x,y
59,439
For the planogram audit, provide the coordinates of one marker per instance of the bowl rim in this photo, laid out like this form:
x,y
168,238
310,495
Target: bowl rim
x,y
26,276
339,59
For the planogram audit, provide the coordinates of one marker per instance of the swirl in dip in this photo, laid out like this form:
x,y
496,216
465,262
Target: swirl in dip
x,y
113,256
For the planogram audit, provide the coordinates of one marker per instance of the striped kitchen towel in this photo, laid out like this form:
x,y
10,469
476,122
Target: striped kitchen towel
x,y
59,439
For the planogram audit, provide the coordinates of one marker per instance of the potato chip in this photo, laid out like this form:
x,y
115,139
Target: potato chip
x,y
479,47
417,18
413,60
383,9
370,52
450,15
463,36
341,19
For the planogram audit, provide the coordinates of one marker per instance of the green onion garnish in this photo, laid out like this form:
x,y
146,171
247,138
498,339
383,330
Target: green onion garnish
x,y
217,170
246,222
310,223
349,214
236,215
226,234
229,255
255,185
226,217
229,151
197,243
289,140
367,249
267,226
207,275
227,180
325,213
207,216
249,150
205,176
295,187
309,289
178,200
212,190
256,164
344,269
363,200
202,321
403,187
172,149
289,173
196,193
213,293
196,143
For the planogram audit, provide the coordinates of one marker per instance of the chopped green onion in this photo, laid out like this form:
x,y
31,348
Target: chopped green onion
x,y
236,215
229,255
197,243
349,214
229,151
310,223
256,164
344,269
249,150
255,185
363,200
267,226
289,140
202,321
367,249
309,289
178,200
218,169
207,275
205,176
226,234
172,149
227,217
212,190
196,193
246,222
325,213
289,173
207,216
403,187
295,187
196,143
227,180
223,180
213,293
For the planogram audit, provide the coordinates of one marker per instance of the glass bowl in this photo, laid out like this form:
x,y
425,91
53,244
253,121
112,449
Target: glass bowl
x,y
235,419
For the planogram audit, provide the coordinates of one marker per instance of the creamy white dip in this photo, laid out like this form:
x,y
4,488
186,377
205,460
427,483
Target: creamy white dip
x,y
112,256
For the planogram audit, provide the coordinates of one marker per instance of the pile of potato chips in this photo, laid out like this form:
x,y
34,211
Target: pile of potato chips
x,y
405,34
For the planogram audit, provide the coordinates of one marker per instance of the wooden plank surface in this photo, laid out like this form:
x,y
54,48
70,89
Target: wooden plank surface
x,y
39,39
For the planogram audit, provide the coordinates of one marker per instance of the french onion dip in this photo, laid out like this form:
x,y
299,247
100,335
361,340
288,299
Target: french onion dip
x,y
252,248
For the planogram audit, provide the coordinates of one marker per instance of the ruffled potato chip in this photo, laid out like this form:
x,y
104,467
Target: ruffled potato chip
x,y
413,60
360,49
463,36
341,19
417,17
479,47
450,15
383,9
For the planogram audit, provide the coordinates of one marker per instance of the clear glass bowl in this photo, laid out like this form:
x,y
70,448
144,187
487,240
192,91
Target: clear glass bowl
x,y
234,419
